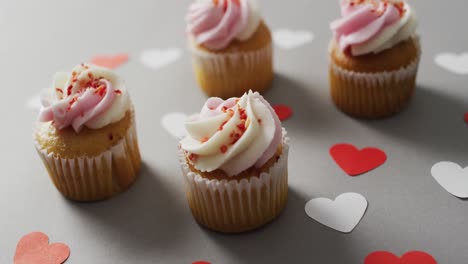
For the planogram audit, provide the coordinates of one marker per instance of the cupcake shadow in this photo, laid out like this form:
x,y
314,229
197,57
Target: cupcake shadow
x,y
292,238
312,108
433,121
140,218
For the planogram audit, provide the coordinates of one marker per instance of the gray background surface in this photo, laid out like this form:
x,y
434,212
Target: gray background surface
x,y
151,222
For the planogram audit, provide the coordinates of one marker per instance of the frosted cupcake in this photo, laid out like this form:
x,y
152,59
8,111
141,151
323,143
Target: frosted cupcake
x,y
231,47
86,134
374,57
235,164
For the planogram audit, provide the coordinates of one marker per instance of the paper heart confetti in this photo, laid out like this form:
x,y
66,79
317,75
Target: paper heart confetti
x,y
456,63
412,257
174,123
35,248
158,58
356,162
291,39
343,214
283,111
452,177
110,61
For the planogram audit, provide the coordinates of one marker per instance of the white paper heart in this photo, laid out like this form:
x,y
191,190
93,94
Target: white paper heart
x,y
343,214
174,123
452,177
456,63
158,58
291,39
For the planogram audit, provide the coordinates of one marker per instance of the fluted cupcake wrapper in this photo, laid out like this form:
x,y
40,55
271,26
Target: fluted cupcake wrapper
x,y
234,206
373,95
99,177
231,74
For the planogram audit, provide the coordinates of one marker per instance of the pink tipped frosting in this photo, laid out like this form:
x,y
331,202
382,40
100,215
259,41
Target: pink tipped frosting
x,y
85,99
216,23
233,135
374,23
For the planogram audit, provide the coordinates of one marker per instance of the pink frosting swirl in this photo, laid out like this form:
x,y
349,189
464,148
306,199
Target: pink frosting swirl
x,y
85,99
216,23
233,135
364,20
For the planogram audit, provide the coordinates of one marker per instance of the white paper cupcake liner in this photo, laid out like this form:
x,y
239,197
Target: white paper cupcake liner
x,y
217,74
98,177
237,206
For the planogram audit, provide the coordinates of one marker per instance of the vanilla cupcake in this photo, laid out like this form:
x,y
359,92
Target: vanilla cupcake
x,y
86,134
374,57
235,164
231,47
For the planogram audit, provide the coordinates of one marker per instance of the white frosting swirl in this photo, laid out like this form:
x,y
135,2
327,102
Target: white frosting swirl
x,y
90,110
232,135
391,35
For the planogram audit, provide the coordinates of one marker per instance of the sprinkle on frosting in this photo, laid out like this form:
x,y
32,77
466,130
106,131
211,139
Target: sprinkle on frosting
x,y
371,26
216,23
94,98
232,135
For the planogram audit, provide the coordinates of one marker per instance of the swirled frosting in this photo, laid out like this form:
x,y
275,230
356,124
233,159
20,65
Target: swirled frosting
x,y
215,23
232,135
89,96
372,26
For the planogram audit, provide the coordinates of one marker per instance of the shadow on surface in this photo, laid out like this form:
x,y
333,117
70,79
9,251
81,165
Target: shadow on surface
x,y
292,238
146,216
312,108
433,121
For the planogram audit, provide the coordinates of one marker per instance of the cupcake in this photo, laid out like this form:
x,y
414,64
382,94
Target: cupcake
x,y
374,57
86,134
234,161
231,47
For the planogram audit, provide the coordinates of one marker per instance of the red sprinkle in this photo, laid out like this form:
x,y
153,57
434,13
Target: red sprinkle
x,y
193,157
221,127
69,89
223,149
118,92
59,90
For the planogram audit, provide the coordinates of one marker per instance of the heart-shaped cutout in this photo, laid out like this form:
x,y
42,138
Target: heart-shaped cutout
x,y
291,39
356,162
452,177
158,58
110,61
343,214
412,257
34,248
174,124
283,112
456,63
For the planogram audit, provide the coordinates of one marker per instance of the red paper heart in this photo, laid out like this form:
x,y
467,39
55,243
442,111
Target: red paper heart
x,y
466,118
412,257
355,162
110,61
283,111
34,248
201,262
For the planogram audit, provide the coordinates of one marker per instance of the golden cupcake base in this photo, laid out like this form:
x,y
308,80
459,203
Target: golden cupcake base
x,y
240,67
375,85
75,169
